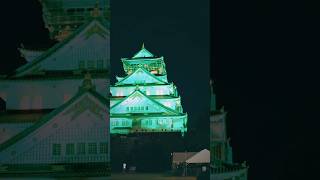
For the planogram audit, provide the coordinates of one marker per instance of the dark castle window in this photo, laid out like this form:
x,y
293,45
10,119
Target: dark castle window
x,y
2,105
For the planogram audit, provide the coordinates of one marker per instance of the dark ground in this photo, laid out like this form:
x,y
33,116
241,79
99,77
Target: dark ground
x,y
148,152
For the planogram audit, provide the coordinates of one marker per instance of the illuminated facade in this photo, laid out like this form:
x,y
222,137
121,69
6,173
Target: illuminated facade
x,y
70,140
56,115
144,100
222,165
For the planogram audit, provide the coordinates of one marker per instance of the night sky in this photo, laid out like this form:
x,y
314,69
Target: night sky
x,y
265,65
21,23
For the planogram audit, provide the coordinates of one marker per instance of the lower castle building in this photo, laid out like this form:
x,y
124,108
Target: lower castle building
x,y
73,139
222,165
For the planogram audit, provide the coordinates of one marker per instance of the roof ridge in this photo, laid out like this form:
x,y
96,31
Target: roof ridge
x,y
58,45
143,50
44,119
146,96
146,71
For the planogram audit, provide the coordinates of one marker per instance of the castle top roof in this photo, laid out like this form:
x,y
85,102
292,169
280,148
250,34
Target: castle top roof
x,y
143,53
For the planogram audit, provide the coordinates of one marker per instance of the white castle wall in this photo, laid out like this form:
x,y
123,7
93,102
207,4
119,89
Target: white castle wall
x,y
8,130
71,55
36,148
43,94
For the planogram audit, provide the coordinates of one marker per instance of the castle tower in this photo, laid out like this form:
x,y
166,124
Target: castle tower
x,y
144,100
220,148
222,165
62,17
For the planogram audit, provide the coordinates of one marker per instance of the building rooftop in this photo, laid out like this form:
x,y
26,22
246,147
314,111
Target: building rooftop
x,y
22,116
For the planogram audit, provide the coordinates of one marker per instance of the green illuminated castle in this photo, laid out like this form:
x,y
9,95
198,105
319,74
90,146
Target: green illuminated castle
x,y
144,100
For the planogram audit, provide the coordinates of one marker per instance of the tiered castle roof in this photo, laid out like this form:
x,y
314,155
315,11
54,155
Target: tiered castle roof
x,y
144,100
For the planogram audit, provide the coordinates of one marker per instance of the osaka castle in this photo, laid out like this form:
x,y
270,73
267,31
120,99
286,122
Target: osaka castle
x,y
222,165
143,100
54,117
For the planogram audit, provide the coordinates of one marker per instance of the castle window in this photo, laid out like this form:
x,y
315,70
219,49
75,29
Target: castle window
x,y
70,150
119,93
92,148
81,148
103,148
80,9
71,10
124,123
90,64
2,105
100,64
56,149
81,64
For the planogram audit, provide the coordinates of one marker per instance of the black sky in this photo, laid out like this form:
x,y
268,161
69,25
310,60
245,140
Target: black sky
x,y
265,65
21,23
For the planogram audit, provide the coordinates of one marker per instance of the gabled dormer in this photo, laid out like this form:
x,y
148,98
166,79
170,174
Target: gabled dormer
x,y
144,58
141,76
138,102
143,53
74,53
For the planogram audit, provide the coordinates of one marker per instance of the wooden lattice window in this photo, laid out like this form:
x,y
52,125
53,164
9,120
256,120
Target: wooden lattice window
x,y
103,148
70,149
56,149
92,148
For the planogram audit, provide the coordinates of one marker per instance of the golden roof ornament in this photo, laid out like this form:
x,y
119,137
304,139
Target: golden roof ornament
x,y
64,33
96,11
87,82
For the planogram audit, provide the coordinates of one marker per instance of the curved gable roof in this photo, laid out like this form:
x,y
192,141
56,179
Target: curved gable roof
x,y
152,78
100,21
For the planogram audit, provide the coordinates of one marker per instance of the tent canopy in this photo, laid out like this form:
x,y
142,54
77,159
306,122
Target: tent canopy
x,y
181,157
201,157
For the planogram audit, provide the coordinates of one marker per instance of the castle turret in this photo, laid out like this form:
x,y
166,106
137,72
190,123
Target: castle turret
x,y
62,17
222,165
